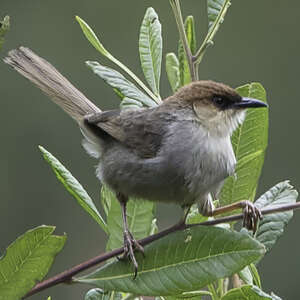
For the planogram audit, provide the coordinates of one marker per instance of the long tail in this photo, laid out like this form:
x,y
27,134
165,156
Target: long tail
x,y
51,82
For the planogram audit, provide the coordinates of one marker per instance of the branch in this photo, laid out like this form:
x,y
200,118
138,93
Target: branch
x,y
179,20
66,276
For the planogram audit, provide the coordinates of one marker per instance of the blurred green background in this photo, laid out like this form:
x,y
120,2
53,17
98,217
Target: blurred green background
x,y
259,41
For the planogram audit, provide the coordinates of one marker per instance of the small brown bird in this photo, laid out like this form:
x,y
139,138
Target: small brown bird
x,y
179,151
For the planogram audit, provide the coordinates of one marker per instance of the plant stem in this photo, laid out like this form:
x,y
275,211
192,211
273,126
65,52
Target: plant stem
x,y
211,33
220,289
212,289
179,20
66,276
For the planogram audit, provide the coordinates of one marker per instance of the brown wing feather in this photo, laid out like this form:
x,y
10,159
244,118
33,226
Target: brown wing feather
x,y
134,129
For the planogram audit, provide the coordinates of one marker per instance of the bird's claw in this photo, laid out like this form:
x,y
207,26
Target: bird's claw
x,y
252,215
130,245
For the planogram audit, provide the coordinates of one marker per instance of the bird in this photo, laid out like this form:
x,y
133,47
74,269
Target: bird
x,y
177,152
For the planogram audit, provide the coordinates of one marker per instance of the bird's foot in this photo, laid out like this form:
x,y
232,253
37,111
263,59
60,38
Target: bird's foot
x,y
130,245
251,216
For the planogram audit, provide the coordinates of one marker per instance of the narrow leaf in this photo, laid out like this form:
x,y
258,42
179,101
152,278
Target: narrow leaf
x,y
93,39
172,68
73,187
139,213
249,142
91,36
190,33
255,275
128,103
150,48
28,260
271,226
4,27
180,262
246,276
185,75
214,8
247,292
123,87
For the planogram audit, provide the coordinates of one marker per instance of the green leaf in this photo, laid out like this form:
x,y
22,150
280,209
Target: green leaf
x,y
180,262
139,213
91,36
194,217
195,295
214,8
271,226
28,260
172,68
247,292
93,39
4,27
255,275
246,276
123,87
190,33
185,75
249,143
150,48
128,103
73,187
49,298
98,294
106,196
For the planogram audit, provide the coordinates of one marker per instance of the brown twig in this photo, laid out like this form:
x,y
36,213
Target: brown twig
x,y
66,276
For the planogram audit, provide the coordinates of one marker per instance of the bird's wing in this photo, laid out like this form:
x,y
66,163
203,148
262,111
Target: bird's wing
x,y
135,129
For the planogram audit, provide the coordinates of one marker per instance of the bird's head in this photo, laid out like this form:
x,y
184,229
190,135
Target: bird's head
x,y
218,107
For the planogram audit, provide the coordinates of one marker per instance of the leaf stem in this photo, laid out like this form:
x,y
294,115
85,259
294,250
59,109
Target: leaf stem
x,y
135,78
179,20
66,276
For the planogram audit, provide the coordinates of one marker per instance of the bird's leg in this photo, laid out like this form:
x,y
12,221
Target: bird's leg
x,y
186,210
130,244
251,213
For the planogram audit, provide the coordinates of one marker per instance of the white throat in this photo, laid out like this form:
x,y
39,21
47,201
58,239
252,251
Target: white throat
x,y
224,123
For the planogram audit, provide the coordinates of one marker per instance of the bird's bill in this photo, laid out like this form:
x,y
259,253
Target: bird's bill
x,y
249,102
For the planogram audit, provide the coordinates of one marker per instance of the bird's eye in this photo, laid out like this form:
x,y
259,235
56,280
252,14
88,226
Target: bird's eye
x,y
219,101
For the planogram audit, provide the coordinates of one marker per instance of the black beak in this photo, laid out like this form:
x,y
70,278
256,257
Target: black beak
x,y
249,102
